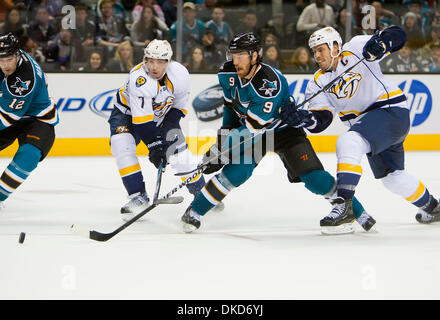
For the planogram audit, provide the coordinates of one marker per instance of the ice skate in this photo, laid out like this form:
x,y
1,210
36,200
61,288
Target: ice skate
x,y
427,218
191,220
340,220
366,221
138,202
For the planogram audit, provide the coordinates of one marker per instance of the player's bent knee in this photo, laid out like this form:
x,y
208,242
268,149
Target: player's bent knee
x,y
27,157
351,146
237,174
122,144
319,182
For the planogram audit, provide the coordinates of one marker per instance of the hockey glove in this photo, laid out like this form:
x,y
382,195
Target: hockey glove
x,y
297,118
158,151
217,161
377,46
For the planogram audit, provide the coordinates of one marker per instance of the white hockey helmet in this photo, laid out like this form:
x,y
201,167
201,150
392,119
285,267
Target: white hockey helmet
x,y
326,35
158,49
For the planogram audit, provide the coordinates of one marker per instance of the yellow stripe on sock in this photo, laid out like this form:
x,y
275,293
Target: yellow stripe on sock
x,y
129,170
346,167
416,195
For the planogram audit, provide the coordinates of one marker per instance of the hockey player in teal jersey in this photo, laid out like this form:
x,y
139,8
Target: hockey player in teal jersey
x,y
254,94
26,113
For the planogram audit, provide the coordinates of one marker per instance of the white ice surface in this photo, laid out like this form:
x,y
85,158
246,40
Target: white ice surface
x,y
265,245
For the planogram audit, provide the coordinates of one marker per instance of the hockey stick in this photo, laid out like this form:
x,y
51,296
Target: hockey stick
x,y
99,236
273,125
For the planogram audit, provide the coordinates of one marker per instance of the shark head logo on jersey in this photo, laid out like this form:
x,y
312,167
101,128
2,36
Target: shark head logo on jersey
x,y
347,86
269,87
20,86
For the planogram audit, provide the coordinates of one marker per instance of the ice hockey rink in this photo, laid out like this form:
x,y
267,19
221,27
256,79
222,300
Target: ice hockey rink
x,y
266,244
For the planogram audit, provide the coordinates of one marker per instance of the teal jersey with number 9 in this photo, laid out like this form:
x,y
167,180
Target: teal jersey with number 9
x,y
24,94
255,103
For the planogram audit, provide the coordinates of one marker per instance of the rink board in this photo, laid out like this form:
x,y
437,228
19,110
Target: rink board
x,y
84,102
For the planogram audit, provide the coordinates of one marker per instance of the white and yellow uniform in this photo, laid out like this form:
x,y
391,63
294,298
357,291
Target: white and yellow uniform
x,y
362,89
144,101
147,99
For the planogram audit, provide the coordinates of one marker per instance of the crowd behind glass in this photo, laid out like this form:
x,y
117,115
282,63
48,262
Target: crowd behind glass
x,y
110,35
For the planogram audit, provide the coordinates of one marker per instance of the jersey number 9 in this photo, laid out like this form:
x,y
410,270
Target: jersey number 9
x,y
268,106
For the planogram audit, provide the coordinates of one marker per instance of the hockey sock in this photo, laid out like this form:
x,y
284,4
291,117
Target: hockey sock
x,y
321,182
348,176
24,162
195,185
132,178
214,191
411,189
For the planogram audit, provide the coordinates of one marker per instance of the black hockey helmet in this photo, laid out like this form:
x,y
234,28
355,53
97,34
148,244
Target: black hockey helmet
x,y
245,42
9,45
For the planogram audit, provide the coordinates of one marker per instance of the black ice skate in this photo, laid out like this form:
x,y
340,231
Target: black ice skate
x,y
191,220
427,218
340,220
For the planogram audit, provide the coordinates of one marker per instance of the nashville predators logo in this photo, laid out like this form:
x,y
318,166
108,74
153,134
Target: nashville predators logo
x,y
347,86
140,81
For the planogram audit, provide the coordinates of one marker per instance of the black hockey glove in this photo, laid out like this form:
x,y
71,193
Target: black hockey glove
x,y
217,161
158,151
297,118
377,46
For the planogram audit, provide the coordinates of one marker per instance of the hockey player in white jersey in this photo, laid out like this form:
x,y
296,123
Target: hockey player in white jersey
x,y
374,109
148,109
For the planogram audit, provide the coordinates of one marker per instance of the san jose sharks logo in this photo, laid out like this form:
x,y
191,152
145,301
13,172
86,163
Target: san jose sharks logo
x,y
269,87
20,86
347,86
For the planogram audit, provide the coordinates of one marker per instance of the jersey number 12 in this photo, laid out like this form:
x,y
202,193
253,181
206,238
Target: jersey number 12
x,y
16,105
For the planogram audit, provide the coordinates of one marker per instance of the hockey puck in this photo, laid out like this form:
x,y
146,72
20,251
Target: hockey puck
x,y
208,104
22,236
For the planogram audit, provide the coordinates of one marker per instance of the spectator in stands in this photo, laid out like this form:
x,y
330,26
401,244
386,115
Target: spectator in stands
x,y
140,4
315,16
63,49
384,17
5,5
435,37
436,59
402,61
42,30
204,12
118,11
13,23
111,31
148,27
302,62
123,59
197,61
435,18
414,36
421,11
53,7
213,51
95,63
84,28
30,46
192,31
249,23
272,56
223,31
269,38
169,8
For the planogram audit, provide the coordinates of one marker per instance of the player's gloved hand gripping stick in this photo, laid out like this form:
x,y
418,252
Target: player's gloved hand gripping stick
x,y
98,236
271,126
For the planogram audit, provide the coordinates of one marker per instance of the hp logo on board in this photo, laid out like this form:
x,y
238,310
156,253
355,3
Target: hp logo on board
x,y
419,100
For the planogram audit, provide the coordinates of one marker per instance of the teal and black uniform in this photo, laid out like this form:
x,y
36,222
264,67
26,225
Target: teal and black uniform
x,y
252,106
27,114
